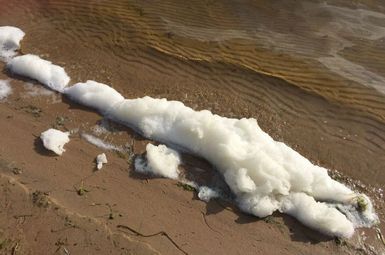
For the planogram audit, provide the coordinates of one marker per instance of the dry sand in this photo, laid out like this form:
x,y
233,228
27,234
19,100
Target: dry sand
x,y
77,210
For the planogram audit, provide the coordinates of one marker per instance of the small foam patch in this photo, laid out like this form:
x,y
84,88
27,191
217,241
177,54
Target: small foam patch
x,y
5,89
100,160
10,38
55,140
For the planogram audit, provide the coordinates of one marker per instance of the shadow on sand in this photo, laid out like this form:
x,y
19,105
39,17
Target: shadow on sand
x,y
297,231
39,148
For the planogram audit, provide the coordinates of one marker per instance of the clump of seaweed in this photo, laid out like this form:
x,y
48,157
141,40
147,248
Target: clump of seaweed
x,y
340,242
81,191
185,186
361,204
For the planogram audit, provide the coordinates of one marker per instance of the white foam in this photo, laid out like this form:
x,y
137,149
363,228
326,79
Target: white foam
x,y
100,129
32,66
94,94
10,38
33,90
99,142
161,161
360,213
265,175
206,193
5,89
100,160
317,215
55,140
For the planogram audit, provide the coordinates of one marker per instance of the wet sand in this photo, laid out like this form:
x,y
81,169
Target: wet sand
x,y
308,81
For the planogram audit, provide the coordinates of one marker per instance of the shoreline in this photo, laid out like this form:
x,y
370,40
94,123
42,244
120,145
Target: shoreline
x,y
322,137
278,226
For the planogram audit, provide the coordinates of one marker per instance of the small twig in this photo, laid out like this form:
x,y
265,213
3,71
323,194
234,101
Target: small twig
x,y
204,218
66,251
381,237
111,214
81,190
15,248
162,233
83,180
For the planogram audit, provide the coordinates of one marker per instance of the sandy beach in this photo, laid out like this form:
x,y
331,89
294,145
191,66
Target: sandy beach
x,y
312,80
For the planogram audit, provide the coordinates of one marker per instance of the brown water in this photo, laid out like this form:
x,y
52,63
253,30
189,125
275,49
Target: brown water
x,y
311,72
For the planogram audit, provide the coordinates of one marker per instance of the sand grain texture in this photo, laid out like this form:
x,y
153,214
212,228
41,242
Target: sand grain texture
x,y
308,81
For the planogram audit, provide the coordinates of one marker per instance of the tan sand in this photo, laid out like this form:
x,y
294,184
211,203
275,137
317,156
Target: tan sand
x,y
339,126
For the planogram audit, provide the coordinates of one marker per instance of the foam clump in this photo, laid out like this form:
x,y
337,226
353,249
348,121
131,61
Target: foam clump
x,y
32,66
55,140
94,94
5,89
10,38
206,193
160,161
100,160
317,215
264,175
360,211
259,171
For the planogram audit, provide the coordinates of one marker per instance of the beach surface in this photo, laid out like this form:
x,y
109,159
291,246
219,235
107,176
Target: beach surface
x,y
313,77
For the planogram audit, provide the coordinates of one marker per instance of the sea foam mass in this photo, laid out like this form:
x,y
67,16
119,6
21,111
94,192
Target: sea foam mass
x,y
10,38
264,175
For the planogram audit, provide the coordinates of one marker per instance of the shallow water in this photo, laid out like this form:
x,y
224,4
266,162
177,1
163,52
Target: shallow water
x,y
312,73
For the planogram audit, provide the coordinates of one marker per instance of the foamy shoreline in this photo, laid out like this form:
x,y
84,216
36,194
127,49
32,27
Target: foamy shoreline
x,y
242,177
